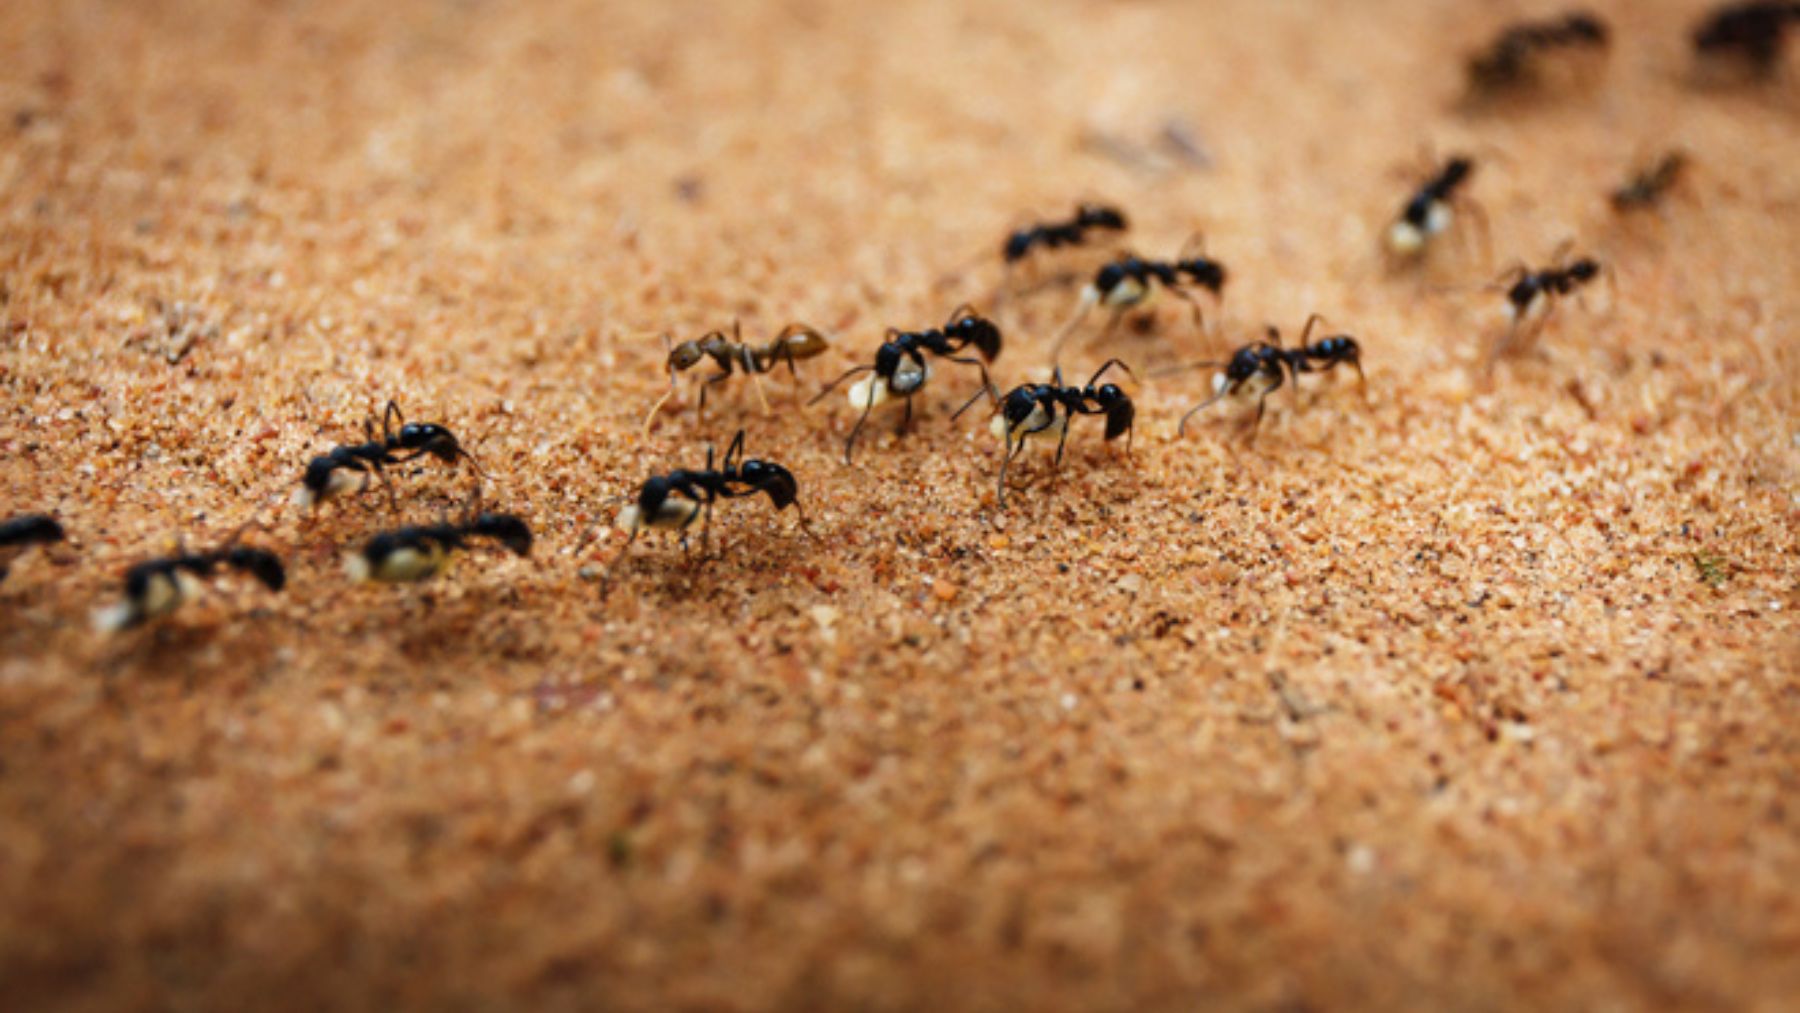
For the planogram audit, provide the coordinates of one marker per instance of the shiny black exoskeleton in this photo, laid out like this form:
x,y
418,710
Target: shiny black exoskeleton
x,y
1116,278
159,586
324,474
1072,232
1550,282
1507,62
1437,190
1037,407
900,368
675,500
17,533
1271,364
1748,33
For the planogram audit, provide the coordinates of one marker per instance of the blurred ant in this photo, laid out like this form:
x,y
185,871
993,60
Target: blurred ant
x,y
1510,63
1748,35
19,533
793,343
1532,295
1262,363
1032,409
349,466
1130,282
160,586
900,369
1648,185
418,552
1431,209
674,501
1088,218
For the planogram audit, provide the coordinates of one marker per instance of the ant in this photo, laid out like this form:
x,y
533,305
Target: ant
x,y
17,533
1263,362
160,586
1507,63
1127,283
675,500
1431,209
793,343
1647,186
1750,34
1071,232
1532,294
900,369
418,552
1031,410
329,475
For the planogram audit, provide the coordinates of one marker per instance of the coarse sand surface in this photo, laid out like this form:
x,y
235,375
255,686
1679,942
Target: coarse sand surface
x,y
1466,689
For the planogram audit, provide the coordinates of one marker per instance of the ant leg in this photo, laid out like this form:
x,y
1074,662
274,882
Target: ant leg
x,y
756,381
1256,423
850,442
905,418
1181,429
393,410
1089,297
1479,216
606,581
828,388
657,407
1006,456
1062,441
1194,306
708,382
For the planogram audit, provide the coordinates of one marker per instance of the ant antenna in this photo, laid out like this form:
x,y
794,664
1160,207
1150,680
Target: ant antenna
x,y
669,344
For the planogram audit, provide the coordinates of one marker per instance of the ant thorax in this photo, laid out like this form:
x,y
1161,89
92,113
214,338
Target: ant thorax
x,y
875,390
674,512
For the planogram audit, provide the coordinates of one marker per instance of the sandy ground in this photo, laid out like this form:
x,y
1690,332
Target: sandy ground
x,y
1448,694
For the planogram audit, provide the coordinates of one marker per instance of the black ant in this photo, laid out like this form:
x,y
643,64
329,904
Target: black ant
x,y
1508,64
900,369
160,586
676,500
418,552
795,342
1648,185
1072,232
18,533
1263,362
1130,282
349,466
1533,294
1032,410
1750,34
1431,209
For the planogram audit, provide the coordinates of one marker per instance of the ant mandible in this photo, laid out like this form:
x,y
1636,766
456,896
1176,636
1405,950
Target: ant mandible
x,y
795,342
160,586
1039,409
1263,363
674,501
18,533
900,369
1130,282
349,466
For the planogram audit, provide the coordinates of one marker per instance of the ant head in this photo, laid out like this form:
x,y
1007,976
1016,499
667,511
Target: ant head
x,y
431,438
1208,274
773,479
1100,216
1111,276
1247,361
1017,406
1017,245
318,474
259,563
506,529
979,331
685,356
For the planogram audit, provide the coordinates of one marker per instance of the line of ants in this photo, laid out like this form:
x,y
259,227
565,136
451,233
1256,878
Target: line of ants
x,y
1749,33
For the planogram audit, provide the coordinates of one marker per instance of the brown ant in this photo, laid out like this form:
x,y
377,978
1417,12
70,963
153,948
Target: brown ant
x,y
900,369
1747,34
1532,295
674,501
1510,62
1262,363
1040,409
1130,282
160,586
349,466
18,533
794,343
1648,185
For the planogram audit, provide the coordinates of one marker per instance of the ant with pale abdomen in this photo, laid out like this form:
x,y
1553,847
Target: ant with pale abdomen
x,y
1263,363
160,586
350,465
1130,282
1039,409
